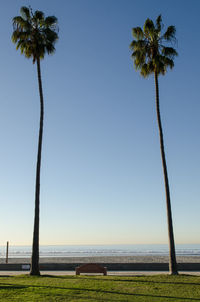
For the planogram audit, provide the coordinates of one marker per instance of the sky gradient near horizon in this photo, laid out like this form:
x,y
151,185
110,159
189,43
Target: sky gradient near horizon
x,y
101,180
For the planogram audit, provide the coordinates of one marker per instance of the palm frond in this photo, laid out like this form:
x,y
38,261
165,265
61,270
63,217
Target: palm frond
x,y
50,48
20,23
25,13
137,64
169,52
50,35
20,35
151,67
146,69
149,27
139,57
159,23
39,15
132,45
15,36
18,20
168,62
137,33
138,45
51,20
170,33
158,63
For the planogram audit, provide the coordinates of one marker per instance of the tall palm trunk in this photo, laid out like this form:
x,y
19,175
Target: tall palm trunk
x,y
172,254
35,247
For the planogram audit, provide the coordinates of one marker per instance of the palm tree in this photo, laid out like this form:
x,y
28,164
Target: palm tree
x,y
35,36
151,55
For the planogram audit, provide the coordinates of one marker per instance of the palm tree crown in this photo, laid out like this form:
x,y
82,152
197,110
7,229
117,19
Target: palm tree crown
x,y
34,34
150,54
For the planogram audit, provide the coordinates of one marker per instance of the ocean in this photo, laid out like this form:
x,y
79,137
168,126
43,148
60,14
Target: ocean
x,y
101,250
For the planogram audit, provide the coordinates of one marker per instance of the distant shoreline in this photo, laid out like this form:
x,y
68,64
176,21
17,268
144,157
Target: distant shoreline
x,y
107,259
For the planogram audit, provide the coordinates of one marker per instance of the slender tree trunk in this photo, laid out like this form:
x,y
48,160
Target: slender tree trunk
x,y
35,247
172,253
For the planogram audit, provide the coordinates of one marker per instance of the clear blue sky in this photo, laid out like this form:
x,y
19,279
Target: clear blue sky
x,y
101,180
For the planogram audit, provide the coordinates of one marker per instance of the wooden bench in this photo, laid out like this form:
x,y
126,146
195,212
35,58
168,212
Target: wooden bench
x,y
91,268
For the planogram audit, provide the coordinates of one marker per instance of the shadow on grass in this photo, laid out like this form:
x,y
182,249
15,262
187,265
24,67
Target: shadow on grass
x,y
173,282
109,278
11,286
19,286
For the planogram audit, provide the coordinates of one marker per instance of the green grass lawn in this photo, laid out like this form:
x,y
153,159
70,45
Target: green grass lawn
x,y
100,288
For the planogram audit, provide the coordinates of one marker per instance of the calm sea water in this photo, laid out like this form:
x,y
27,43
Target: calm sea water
x,y
101,250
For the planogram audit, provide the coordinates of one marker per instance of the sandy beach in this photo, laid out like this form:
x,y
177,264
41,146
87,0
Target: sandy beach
x,y
110,259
